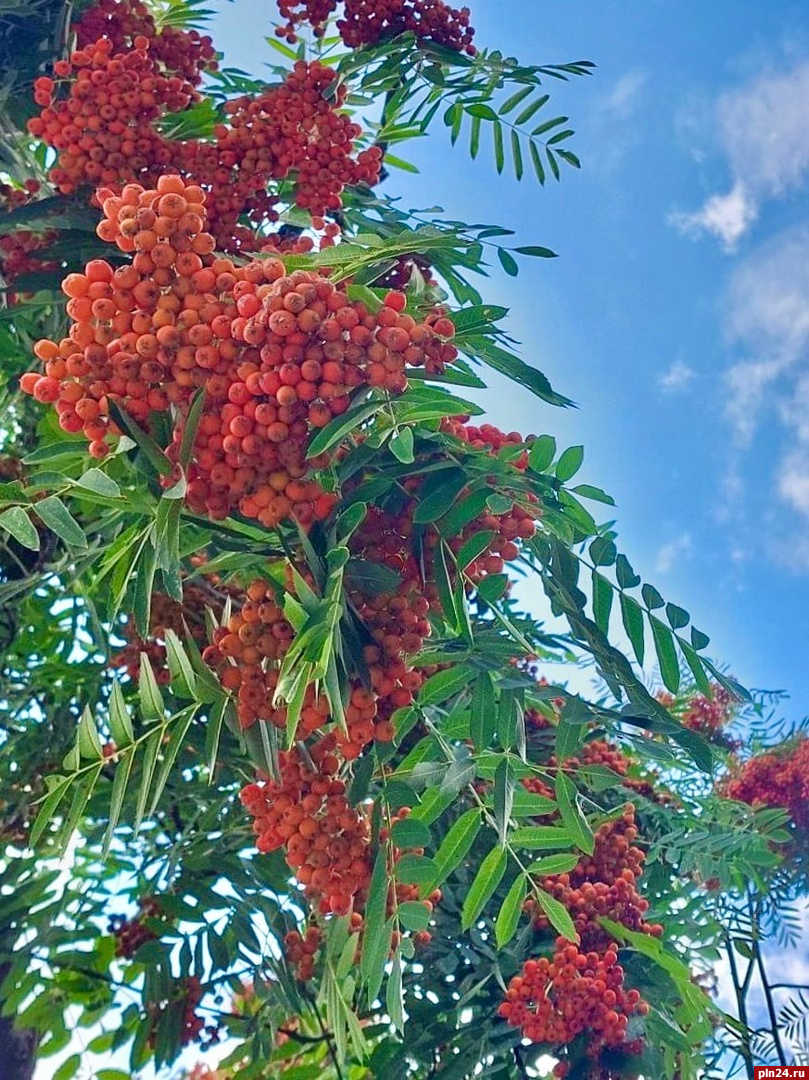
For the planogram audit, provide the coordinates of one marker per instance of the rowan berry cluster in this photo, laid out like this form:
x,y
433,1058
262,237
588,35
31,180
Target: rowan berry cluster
x,y
581,988
365,22
574,992
103,129
706,714
297,127
21,249
300,951
181,52
183,618
779,778
130,934
603,885
326,839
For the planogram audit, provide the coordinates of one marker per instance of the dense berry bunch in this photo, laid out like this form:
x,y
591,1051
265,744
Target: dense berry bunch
x,y
104,127
181,52
603,885
779,778
183,618
707,715
296,127
365,22
326,840
21,249
575,992
130,934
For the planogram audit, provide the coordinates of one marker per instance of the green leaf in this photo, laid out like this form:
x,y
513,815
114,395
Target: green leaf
x,y
454,847
558,915
151,451
553,864
627,578
401,445
542,453
16,522
537,252
439,495
515,99
377,930
499,153
483,716
504,784
177,733
698,639
413,915
541,837
677,616
99,483
587,491
118,718
341,426
569,463
603,551
409,832
183,676
151,700
474,547
666,654
49,806
531,110
484,112
123,770
444,685
632,617
482,888
68,1068
516,154
536,159
88,738
602,602
191,426
394,995
651,597
508,262
53,513
573,819
508,918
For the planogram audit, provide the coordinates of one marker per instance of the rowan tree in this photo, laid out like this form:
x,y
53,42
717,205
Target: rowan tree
x,y
286,775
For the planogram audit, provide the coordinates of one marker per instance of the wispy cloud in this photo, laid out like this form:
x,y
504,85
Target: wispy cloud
x,y
675,551
678,376
610,129
762,129
767,324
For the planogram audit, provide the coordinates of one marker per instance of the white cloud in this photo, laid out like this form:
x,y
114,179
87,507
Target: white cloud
x,y
678,376
762,128
610,131
622,99
767,317
673,552
728,217
767,320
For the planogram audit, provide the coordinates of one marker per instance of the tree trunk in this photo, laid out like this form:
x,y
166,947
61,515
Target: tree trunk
x,y
17,1048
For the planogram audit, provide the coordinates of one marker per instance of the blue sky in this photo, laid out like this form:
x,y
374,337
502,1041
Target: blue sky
x,y
677,315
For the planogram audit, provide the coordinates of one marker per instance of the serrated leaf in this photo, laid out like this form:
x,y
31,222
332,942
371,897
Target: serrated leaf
x,y
89,740
666,654
118,718
553,864
503,797
602,601
17,523
508,918
454,847
183,676
567,798
444,685
56,516
558,915
632,618
483,715
541,837
482,888
151,700
99,483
